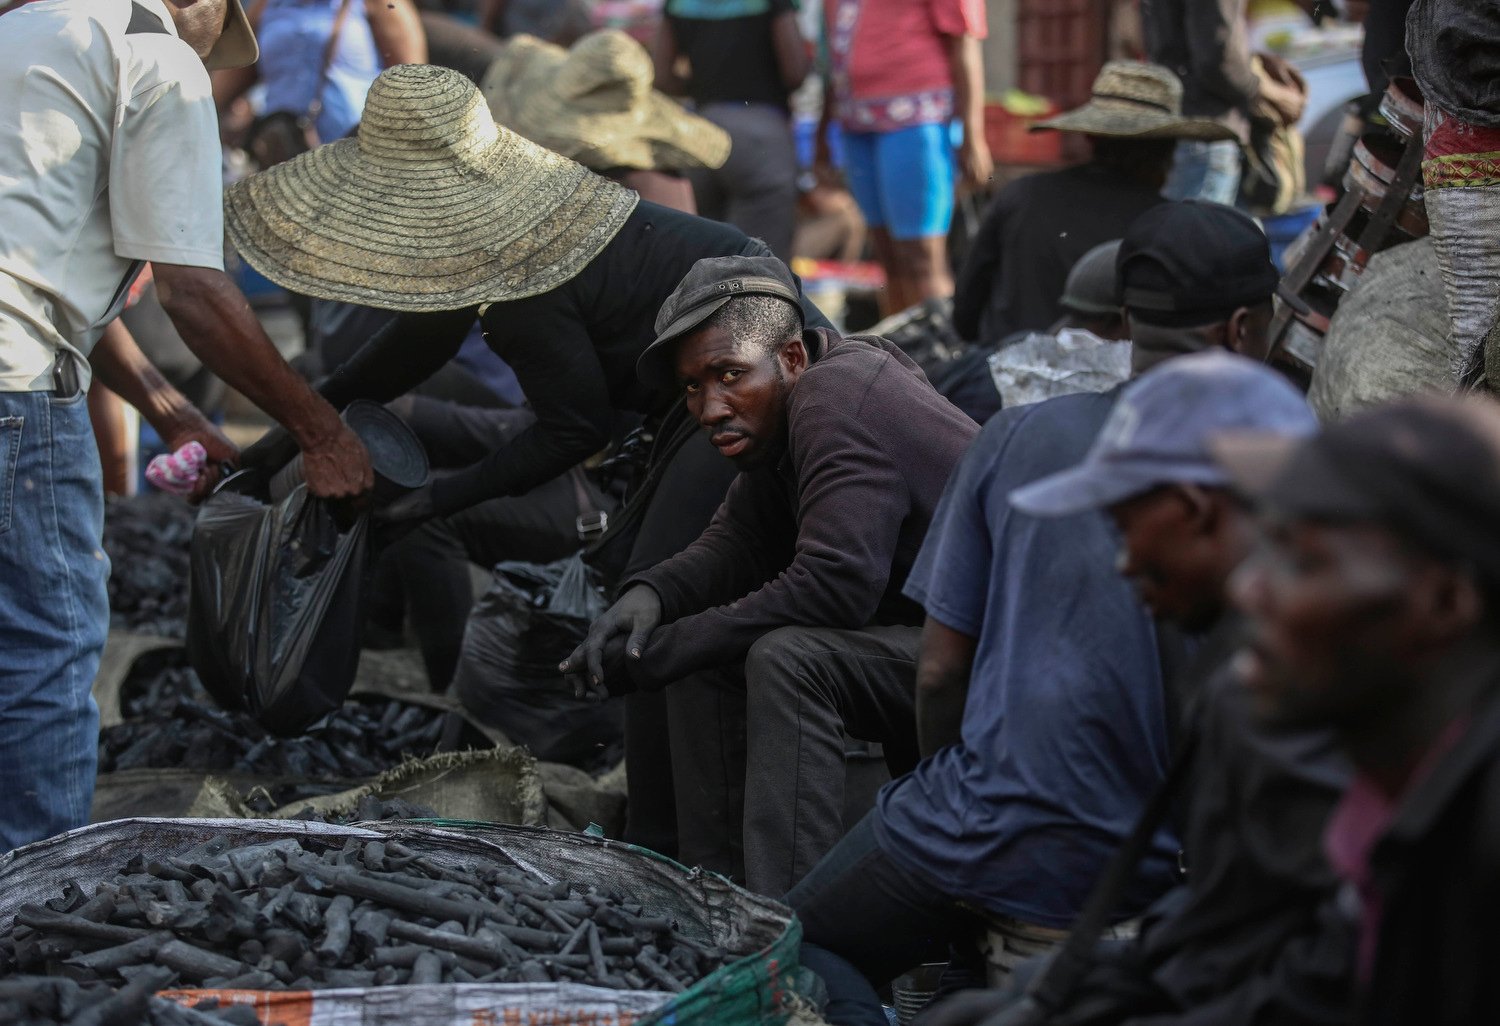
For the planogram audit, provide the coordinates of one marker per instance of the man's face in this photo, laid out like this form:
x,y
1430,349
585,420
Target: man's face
x,y
738,392
1173,542
1332,634
1250,332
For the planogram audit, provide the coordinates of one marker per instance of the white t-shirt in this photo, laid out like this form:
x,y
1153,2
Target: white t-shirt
x,y
109,156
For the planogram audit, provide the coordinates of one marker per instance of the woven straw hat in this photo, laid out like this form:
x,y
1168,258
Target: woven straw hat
x,y
1136,100
594,103
432,207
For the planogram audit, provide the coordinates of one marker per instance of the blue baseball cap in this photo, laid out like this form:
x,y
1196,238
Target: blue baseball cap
x,y
1160,431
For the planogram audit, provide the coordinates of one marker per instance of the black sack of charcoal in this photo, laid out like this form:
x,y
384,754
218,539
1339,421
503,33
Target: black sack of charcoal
x,y
276,601
528,621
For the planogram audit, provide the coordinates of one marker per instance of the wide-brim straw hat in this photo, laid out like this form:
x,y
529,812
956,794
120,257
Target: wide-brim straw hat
x,y
431,207
595,104
1136,100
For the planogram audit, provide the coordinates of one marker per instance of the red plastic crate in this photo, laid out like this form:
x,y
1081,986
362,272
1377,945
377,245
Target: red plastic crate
x,y
1011,140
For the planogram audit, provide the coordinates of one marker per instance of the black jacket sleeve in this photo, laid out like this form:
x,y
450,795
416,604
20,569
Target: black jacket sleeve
x,y
397,358
547,344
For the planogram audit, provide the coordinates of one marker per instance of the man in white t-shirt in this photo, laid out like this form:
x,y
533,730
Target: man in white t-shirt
x,y
109,157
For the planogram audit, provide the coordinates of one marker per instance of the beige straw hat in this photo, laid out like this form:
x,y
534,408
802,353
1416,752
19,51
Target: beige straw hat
x,y
1136,100
432,207
594,103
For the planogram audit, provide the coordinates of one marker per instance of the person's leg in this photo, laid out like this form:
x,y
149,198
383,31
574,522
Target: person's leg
x,y
691,489
1205,171
851,999
862,174
706,719
917,175
433,562
874,914
897,296
760,176
650,804
807,687
455,435
54,614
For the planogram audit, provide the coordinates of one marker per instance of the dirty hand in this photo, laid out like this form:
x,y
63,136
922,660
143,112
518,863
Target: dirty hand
x,y
636,614
975,162
195,427
338,467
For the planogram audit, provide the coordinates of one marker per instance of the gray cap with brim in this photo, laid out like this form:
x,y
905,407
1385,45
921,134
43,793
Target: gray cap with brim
x,y
1160,429
712,282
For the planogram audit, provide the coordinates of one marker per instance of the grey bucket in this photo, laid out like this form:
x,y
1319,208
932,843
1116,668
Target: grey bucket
x,y
396,453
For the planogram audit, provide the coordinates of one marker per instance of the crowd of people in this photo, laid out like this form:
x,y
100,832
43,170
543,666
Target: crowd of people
x,y
1189,702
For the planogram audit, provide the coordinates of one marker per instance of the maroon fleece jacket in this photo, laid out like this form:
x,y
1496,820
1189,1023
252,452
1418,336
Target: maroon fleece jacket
x,y
826,535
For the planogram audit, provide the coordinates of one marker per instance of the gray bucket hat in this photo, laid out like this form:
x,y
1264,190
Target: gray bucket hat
x,y
711,283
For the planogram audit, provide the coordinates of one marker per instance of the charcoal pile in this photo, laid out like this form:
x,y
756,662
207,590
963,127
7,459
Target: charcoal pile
x,y
300,913
146,539
51,1001
361,739
171,722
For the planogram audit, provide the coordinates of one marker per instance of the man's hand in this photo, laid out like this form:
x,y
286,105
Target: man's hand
x,y
636,614
338,467
193,426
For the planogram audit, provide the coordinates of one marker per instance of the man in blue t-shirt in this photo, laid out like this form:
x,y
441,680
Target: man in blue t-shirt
x,y
1034,773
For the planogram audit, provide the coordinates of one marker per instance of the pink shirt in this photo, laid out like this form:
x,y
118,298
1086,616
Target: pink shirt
x,y
1358,823
890,59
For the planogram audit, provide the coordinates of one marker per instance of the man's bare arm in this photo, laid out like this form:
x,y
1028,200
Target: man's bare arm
x,y
398,33
944,662
120,366
217,324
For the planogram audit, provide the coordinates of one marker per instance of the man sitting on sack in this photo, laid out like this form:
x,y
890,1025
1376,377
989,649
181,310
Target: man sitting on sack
x,y
790,602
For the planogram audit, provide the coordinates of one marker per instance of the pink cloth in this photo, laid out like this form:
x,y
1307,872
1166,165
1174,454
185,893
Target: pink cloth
x,y
178,472
890,58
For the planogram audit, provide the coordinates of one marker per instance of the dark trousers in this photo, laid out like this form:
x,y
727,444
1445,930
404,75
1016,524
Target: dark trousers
x,y
877,918
691,489
428,569
758,748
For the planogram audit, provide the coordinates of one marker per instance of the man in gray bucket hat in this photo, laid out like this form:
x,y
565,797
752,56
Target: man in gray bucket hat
x,y
785,616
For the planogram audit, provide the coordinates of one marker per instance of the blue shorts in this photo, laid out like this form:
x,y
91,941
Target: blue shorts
x,y
903,180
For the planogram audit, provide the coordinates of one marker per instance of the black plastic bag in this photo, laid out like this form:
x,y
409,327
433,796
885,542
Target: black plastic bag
x,y
276,602
528,621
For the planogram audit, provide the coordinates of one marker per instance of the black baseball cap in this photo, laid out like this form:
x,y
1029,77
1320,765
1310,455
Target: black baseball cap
x,y
1427,469
711,283
1187,263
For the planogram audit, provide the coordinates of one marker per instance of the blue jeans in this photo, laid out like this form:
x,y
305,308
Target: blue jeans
x,y
1205,171
54,614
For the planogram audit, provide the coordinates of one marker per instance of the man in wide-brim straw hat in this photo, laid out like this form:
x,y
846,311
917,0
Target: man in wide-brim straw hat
x,y
437,212
1038,227
594,103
